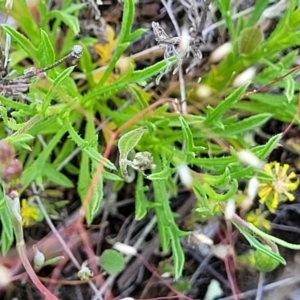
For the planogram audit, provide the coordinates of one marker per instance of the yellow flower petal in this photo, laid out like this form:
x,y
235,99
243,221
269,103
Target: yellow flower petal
x,y
292,175
276,167
275,200
265,192
284,169
292,186
268,169
290,196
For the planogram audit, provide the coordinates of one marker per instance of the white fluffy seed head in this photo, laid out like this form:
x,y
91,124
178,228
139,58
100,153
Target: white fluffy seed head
x,y
222,251
221,52
229,209
185,175
184,46
4,276
203,91
244,77
202,238
249,159
252,188
125,249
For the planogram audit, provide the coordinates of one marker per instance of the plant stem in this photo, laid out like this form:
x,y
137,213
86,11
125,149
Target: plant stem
x,y
18,230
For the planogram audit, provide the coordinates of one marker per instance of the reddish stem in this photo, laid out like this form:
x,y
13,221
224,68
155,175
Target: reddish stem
x,y
31,273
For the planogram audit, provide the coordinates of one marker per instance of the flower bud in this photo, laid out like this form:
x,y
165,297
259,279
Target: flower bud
x,y
143,161
221,52
85,272
7,152
12,171
9,4
38,259
244,77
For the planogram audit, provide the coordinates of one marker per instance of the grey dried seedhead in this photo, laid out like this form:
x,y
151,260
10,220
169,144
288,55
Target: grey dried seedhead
x,y
179,47
143,161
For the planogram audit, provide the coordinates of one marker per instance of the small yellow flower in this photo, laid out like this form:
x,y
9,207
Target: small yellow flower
x,y
258,219
271,193
105,50
30,213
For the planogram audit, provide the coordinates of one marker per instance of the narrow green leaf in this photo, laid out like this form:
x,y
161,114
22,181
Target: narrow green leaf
x,y
14,104
20,138
56,83
141,202
191,149
289,88
127,20
97,157
96,201
138,94
177,252
124,38
7,236
223,107
272,144
258,10
22,41
35,169
221,197
85,147
224,7
56,177
219,181
214,163
137,33
111,176
27,23
11,125
162,175
123,82
69,20
244,125
46,52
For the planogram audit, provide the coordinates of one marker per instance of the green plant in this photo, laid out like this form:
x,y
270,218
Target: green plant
x,y
55,109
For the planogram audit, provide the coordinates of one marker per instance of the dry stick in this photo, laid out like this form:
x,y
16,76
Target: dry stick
x,y
267,86
181,79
